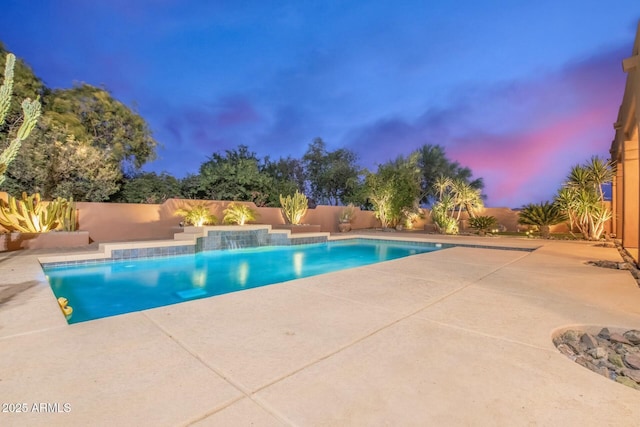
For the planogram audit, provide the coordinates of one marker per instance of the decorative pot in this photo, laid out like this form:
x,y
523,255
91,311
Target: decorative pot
x,y
344,227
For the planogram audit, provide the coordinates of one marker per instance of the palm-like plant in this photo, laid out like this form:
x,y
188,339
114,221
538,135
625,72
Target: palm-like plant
x,y
440,213
582,198
542,215
453,196
197,215
238,213
483,223
601,172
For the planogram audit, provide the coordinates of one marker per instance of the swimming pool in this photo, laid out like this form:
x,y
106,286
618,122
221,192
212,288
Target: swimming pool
x,y
116,287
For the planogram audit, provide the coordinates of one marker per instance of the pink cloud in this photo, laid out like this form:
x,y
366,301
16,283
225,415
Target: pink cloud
x,y
522,137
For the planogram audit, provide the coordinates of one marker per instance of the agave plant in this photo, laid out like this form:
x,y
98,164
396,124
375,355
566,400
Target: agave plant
x,y
197,215
238,213
542,215
483,223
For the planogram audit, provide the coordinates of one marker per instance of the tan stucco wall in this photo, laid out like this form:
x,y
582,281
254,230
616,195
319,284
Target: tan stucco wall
x,y
115,222
624,152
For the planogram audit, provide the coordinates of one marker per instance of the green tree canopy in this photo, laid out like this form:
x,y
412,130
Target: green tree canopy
x,y
287,175
332,176
235,175
434,164
148,187
83,145
54,163
92,114
394,190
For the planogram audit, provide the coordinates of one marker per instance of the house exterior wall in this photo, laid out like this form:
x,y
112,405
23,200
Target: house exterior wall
x,y
624,152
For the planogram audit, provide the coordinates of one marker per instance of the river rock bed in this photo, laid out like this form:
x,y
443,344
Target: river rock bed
x,y
611,354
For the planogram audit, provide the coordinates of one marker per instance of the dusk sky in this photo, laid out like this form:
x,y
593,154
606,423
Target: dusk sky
x,y
517,91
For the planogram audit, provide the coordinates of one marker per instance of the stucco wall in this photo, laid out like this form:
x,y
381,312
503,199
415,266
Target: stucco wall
x,y
108,222
111,222
114,222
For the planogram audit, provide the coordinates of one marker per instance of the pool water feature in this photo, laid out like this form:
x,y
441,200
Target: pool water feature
x,y
117,287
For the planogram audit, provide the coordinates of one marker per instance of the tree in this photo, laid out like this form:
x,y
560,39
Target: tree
x,y
191,187
332,176
112,140
149,187
287,175
394,190
56,164
452,196
92,114
465,197
236,176
434,164
582,199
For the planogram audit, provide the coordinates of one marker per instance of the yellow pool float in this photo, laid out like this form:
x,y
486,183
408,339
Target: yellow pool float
x,y
66,309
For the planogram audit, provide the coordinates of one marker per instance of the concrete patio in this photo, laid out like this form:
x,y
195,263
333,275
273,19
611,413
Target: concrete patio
x,y
460,336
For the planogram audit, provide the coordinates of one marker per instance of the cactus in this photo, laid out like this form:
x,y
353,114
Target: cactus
x,y
30,112
294,208
31,215
68,216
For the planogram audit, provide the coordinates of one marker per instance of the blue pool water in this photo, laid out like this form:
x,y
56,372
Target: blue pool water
x,y
107,289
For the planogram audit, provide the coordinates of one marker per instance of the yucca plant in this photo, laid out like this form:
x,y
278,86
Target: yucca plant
x,y
542,215
294,207
582,198
483,223
237,213
197,215
444,222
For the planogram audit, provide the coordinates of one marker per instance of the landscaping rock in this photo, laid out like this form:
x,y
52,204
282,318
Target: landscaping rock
x,y
620,348
628,382
634,374
568,351
632,360
615,337
633,336
589,341
597,353
610,354
616,360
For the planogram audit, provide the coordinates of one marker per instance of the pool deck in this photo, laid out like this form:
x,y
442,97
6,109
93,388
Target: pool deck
x,y
460,336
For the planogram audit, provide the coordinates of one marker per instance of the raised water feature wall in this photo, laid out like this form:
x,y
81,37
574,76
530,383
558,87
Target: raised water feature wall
x,y
191,241
238,239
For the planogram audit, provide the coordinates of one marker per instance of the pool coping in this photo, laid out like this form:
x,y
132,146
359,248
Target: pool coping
x,y
188,242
